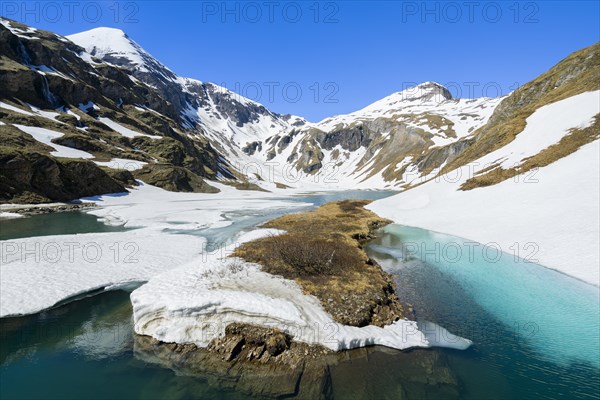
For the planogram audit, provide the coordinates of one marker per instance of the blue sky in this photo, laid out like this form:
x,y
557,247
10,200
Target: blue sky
x,y
317,59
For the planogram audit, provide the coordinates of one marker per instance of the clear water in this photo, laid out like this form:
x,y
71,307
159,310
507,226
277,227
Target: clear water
x,y
536,331
84,350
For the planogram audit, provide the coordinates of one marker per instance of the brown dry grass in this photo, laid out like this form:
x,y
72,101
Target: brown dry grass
x,y
322,252
576,74
567,145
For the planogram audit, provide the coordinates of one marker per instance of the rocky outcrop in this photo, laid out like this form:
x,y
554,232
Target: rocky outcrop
x,y
34,177
173,178
350,138
49,72
252,148
303,372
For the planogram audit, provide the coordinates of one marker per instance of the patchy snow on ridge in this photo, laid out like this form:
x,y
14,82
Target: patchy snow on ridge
x,y
15,109
555,209
122,163
18,32
427,98
46,135
129,133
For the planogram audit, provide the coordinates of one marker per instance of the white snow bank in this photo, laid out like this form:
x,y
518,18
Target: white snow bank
x,y
257,234
551,216
45,136
123,130
36,273
15,109
9,215
122,163
194,304
46,114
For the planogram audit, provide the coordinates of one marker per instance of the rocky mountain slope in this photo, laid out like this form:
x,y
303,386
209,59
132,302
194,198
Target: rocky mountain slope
x,y
128,116
389,144
99,109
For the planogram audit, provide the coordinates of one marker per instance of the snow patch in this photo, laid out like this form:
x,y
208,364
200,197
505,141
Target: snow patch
x,y
123,130
194,304
122,163
46,135
39,272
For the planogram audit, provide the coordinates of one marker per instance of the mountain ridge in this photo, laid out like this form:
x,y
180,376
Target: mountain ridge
x,y
119,102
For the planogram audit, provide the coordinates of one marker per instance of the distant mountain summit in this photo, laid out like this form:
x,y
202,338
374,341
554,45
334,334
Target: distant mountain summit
x,y
427,91
114,46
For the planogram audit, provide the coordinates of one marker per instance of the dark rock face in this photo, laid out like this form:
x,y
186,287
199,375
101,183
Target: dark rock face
x,y
252,148
429,91
231,108
439,155
69,82
174,179
34,177
80,142
285,141
351,138
122,176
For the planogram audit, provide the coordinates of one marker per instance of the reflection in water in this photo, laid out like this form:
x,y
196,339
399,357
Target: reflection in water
x,y
85,349
535,330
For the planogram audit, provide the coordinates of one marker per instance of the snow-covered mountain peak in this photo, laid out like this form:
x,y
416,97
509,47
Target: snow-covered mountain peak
x,y
427,94
424,93
428,91
426,97
112,45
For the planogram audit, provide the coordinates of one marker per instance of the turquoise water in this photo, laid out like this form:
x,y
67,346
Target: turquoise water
x,y
536,331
